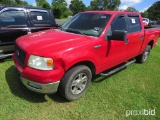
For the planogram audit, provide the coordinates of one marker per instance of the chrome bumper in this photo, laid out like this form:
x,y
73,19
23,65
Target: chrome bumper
x,y
40,88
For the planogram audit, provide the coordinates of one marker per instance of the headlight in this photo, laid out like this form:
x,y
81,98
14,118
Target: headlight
x,y
40,63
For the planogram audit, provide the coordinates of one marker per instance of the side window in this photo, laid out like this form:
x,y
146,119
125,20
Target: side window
x,y
40,18
13,18
119,24
135,24
158,23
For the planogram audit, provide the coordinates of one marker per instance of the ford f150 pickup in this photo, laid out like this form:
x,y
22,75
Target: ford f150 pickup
x,y
19,21
89,43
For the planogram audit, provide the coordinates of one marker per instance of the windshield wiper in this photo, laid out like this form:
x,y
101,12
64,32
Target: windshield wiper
x,y
74,31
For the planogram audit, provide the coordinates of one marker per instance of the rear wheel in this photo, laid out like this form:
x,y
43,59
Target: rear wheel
x,y
144,56
75,82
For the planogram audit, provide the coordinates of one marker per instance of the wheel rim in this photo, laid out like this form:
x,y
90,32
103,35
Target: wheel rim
x,y
146,54
79,83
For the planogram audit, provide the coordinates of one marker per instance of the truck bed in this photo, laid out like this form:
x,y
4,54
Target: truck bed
x,y
151,34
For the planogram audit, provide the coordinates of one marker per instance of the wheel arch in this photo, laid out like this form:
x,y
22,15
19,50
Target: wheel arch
x,y
151,43
87,63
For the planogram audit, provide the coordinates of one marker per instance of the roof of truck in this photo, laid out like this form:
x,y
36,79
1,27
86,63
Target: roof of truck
x,y
110,12
6,6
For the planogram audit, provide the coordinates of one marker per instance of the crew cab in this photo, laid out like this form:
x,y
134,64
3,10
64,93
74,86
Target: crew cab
x,y
19,21
90,43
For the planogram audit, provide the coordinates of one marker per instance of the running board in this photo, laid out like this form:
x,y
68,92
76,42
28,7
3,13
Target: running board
x,y
118,69
4,56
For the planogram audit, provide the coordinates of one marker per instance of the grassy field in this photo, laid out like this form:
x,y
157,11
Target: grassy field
x,y
135,88
62,20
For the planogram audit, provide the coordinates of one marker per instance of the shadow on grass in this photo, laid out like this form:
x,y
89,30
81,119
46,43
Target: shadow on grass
x,y
18,89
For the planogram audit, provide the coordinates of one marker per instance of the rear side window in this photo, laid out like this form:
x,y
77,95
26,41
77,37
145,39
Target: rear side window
x,y
119,24
13,18
40,18
135,24
158,23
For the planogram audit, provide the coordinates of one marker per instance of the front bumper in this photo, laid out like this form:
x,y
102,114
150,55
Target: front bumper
x,y
38,80
39,87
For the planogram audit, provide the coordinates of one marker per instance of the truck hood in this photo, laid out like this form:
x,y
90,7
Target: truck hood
x,y
50,40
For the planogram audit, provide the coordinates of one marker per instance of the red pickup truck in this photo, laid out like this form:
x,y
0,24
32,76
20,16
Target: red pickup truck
x,y
89,43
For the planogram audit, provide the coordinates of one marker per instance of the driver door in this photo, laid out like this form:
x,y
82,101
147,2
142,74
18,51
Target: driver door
x,y
115,49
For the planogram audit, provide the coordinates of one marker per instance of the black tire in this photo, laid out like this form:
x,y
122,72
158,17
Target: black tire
x,y
75,82
144,56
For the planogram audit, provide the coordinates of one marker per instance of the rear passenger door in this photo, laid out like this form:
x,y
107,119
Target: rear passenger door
x,y
40,20
135,35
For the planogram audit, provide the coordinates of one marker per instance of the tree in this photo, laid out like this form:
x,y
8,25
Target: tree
x,y
46,5
154,11
18,2
144,14
59,8
88,8
7,2
40,3
21,3
77,6
43,4
131,9
104,4
58,2
14,2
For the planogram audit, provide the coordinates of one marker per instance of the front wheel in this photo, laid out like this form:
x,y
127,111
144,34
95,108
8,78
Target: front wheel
x,y
144,56
75,82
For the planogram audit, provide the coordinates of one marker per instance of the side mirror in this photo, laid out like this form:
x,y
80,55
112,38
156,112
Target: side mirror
x,y
118,35
57,25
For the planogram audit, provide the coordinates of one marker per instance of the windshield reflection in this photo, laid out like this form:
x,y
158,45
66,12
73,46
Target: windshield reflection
x,y
91,24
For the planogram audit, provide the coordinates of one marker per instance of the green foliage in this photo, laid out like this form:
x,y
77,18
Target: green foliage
x,y
131,9
6,2
88,8
70,13
14,2
40,3
43,4
22,3
46,5
59,8
94,5
154,11
144,14
57,2
18,1
77,6
104,4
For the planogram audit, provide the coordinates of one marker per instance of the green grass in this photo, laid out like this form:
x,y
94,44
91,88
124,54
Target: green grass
x,y
62,20
135,88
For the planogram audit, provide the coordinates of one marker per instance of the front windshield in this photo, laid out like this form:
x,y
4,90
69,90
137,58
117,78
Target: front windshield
x,y
91,24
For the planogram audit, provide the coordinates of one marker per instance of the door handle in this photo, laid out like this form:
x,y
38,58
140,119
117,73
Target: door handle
x,y
141,37
126,41
97,46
